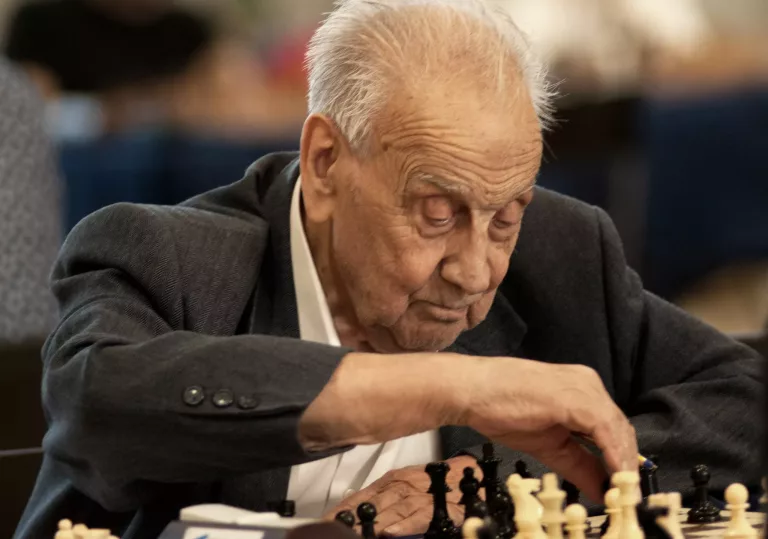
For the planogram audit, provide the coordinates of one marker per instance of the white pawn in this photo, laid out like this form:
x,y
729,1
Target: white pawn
x,y
552,498
627,482
738,526
470,527
98,534
576,521
80,531
671,522
613,511
65,530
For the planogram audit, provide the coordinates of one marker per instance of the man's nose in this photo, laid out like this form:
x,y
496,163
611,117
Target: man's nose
x,y
466,265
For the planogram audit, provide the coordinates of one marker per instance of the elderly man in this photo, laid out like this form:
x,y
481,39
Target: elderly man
x,y
396,293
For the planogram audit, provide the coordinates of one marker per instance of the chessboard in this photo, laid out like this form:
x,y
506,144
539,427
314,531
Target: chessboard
x,y
715,529
521,507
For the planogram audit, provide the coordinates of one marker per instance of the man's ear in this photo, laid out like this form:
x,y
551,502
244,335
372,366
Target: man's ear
x,y
321,147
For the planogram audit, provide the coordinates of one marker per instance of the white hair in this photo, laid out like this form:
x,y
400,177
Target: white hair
x,y
363,45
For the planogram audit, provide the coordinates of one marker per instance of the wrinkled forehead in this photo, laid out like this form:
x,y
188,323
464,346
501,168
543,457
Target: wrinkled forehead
x,y
456,135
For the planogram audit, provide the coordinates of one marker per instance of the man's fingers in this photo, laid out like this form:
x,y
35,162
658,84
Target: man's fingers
x,y
416,524
576,464
618,442
351,503
403,510
382,496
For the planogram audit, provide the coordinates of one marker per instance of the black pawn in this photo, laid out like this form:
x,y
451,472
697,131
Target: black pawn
x,y
703,511
522,470
474,506
441,526
347,518
366,512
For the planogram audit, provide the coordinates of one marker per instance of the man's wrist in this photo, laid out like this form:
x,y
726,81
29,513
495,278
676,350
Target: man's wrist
x,y
425,391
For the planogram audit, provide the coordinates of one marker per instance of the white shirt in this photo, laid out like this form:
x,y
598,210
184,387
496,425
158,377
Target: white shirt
x,y
317,487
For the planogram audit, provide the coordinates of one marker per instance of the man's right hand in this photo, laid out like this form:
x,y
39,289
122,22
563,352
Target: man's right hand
x,y
537,407
526,405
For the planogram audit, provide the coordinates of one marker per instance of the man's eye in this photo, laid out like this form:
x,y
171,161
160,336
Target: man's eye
x,y
438,210
498,223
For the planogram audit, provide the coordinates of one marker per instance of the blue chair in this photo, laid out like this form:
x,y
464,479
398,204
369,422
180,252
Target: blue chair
x,y
124,168
708,190
197,163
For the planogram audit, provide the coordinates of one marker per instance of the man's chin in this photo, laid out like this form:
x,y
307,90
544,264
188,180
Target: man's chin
x,y
407,342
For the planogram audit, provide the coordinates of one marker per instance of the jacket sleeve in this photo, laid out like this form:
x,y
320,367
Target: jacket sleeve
x,y
693,394
118,371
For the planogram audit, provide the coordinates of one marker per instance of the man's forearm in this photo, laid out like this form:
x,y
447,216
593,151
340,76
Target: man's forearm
x,y
373,398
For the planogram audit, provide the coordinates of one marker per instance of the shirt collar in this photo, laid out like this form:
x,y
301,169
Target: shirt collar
x,y
315,320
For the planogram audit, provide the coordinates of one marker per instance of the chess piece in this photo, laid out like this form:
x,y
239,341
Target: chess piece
x,y
703,510
64,530
764,498
527,508
648,481
500,506
552,498
470,528
655,475
441,526
576,521
613,510
80,531
627,482
366,513
474,506
522,470
670,522
98,534
347,518
737,496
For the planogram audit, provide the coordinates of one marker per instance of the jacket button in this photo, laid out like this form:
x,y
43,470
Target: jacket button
x,y
193,396
223,398
247,402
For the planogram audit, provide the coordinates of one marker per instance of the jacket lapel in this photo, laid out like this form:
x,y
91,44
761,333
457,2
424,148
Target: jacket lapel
x,y
275,295
500,334
273,313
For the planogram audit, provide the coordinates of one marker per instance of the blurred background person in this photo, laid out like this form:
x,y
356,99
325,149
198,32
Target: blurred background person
x,y
30,226
30,236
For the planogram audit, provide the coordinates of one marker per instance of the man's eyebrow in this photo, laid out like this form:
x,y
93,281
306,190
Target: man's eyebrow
x,y
459,188
441,183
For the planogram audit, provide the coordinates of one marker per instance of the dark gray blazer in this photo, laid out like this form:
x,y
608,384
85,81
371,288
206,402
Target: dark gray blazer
x,y
156,300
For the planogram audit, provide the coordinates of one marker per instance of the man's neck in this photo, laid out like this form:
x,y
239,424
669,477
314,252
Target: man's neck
x,y
339,304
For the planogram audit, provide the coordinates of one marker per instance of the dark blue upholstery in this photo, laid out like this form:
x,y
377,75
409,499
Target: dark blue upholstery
x,y
152,168
708,198
128,168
